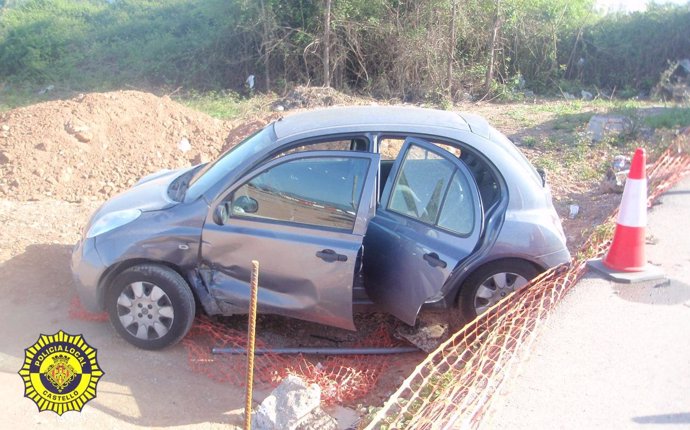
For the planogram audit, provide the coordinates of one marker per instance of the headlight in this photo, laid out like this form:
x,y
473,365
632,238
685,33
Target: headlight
x,y
112,221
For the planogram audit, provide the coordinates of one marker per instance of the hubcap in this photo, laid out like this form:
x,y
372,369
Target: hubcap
x,y
145,310
495,288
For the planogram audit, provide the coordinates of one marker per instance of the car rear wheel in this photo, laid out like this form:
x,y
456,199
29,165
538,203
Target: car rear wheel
x,y
491,283
150,306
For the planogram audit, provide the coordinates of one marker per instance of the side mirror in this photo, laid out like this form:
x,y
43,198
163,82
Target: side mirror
x,y
245,204
220,214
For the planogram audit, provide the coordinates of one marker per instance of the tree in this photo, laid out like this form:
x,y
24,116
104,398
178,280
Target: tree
x,y
327,45
492,46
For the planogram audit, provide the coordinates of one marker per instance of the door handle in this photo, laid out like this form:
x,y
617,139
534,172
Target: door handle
x,y
434,260
330,256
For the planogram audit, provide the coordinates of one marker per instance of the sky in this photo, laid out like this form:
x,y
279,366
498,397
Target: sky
x,y
631,5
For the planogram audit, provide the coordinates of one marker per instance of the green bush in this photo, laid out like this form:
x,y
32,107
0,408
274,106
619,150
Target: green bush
x,y
630,51
90,44
392,49
669,118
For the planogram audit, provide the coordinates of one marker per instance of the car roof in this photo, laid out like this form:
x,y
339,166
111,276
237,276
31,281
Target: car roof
x,y
378,118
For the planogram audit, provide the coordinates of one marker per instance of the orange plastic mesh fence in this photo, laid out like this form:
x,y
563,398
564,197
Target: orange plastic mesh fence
x,y
341,378
77,311
452,386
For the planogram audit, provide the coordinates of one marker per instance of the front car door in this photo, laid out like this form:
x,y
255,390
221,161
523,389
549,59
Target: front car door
x,y
303,217
429,219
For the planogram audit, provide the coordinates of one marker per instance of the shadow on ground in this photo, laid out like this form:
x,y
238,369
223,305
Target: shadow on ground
x,y
141,388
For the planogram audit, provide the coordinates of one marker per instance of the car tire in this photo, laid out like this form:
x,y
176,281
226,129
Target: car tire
x,y
490,283
151,306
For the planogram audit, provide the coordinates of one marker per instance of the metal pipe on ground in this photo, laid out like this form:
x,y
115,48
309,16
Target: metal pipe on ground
x,y
321,351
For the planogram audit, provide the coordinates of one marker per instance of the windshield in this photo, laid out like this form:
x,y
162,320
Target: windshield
x,y
211,173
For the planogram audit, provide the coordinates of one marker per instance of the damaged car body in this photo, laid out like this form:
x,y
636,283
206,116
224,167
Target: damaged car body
x,y
391,208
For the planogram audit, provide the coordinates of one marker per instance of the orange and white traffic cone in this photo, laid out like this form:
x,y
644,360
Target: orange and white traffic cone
x,y
626,261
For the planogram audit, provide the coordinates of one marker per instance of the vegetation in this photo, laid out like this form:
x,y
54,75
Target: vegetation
x,y
422,50
629,52
227,104
669,118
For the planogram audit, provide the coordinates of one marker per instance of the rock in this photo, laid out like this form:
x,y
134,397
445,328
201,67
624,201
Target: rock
x,y
83,136
79,131
427,336
685,64
184,145
603,126
616,174
586,95
65,176
200,159
568,96
288,406
5,127
645,133
278,108
4,158
317,419
47,89
345,417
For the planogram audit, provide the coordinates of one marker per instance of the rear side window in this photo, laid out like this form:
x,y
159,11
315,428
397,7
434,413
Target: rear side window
x,y
430,189
457,214
315,191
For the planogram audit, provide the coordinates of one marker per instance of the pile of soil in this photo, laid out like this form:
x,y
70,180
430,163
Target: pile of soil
x,y
95,145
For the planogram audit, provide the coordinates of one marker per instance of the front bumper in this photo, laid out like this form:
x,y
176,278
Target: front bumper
x,y
87,269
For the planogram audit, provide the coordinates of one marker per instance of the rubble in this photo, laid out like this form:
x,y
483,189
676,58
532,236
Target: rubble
x,y
601,127
616,174
674,83
431,330
312,97
293,405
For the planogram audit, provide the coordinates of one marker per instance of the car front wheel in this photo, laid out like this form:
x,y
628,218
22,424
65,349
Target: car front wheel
x,y
151,306
491,283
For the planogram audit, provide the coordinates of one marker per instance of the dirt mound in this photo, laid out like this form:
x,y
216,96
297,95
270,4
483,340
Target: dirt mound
x,y
95,145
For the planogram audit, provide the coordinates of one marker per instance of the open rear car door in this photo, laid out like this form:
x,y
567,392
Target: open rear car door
x,y
429,219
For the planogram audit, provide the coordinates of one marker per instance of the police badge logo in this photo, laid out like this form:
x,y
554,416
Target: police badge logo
x,y
60,372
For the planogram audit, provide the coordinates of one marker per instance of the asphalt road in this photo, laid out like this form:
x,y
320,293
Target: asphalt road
x,y
613,356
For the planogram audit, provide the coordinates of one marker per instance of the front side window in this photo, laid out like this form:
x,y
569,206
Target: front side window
x,y
315,191
355,143
432,190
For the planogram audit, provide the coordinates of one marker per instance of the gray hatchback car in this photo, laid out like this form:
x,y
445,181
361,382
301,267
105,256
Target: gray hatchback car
x,y
344,208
